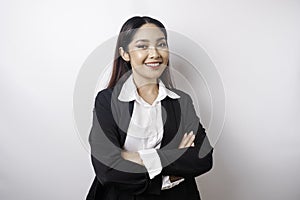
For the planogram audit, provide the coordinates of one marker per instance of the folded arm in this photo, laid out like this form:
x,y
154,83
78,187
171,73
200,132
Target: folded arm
x,y
190,161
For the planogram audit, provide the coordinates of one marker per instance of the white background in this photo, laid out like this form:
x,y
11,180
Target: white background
x,y
254,44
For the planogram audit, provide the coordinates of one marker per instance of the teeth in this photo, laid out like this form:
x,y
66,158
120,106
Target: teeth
x,y
152,64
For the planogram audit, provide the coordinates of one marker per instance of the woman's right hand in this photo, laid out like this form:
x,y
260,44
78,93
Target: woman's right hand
x,y
187,140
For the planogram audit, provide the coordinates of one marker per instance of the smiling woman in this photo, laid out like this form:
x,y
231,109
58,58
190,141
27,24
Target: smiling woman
x,y
146,140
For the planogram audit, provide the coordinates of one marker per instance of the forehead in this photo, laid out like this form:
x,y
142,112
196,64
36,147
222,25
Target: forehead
x,y
148,32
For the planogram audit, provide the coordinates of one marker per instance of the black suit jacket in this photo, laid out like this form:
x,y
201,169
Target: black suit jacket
x,y
117,178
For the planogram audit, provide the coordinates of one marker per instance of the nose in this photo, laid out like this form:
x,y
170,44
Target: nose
x,y
153,53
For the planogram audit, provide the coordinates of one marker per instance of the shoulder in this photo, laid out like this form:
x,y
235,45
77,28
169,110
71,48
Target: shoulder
x,y
103,97
109,93
105,93
108,97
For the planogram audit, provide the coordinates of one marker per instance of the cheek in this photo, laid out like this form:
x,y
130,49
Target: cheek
x,y
165,55
138,57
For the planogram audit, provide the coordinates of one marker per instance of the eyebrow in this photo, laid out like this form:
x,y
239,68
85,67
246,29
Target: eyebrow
x,y
145,40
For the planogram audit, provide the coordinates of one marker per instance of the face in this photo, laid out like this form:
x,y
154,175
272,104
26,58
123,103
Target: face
x,y
148,53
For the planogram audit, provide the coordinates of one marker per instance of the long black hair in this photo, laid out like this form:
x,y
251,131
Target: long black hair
x,y
129,28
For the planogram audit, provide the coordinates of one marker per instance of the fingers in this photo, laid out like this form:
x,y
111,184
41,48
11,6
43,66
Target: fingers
x,y
183,141
187,140
190,139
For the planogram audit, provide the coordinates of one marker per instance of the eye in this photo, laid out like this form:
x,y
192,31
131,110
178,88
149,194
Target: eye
x,y
142,46
162,44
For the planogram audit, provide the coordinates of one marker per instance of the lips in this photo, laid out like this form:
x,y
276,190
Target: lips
x,y
153,64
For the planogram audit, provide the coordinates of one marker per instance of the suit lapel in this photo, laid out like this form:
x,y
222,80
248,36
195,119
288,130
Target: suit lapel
x,y
171,115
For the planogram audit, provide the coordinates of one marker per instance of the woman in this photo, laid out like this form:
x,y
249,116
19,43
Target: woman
x,y
146,140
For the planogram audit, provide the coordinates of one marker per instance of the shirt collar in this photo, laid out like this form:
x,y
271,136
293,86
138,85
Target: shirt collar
x,y
129,91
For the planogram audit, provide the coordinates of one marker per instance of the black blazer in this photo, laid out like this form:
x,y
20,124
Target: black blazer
x,y
117,178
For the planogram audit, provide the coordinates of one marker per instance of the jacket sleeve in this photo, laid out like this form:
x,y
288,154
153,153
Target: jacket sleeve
x,y
192,161
109,166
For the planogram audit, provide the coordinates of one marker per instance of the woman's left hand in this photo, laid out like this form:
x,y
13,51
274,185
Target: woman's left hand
x,y
187,140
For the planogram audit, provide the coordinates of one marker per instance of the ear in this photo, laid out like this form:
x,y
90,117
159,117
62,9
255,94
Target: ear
x,y
124,54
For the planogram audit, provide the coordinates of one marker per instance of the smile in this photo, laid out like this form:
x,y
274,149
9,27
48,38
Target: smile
x,y
152,64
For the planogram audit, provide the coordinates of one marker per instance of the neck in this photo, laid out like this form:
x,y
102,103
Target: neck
x,y
147,88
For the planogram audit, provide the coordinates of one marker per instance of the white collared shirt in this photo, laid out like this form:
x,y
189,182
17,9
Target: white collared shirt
x,y
145,131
